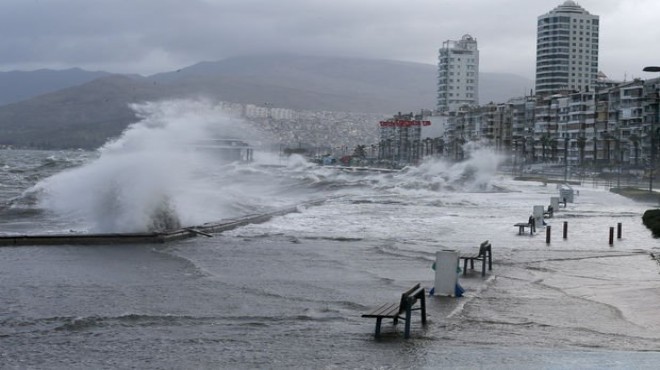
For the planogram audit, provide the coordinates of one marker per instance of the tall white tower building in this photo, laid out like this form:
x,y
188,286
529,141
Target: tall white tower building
x,y
458,74
566,49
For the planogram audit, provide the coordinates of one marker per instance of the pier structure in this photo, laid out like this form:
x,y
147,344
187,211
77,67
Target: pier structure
x,y
156,237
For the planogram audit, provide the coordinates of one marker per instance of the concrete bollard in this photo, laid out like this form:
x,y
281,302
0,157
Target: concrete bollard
x,y
547,234
565,229
618,230
611,235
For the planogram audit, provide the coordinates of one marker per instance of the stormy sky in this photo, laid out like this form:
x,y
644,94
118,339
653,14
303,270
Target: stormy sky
x,y
151,36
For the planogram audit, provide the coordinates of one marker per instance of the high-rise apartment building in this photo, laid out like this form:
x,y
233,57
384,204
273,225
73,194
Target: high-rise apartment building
x,y
458,74
566,49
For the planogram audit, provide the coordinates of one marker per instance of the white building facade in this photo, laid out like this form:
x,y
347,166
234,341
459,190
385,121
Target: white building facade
x,y
458,74
566,50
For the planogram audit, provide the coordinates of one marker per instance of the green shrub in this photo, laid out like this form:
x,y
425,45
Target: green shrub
x,y
651,219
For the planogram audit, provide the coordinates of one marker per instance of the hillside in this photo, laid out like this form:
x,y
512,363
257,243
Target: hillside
x,y
85,116
313,83
16,86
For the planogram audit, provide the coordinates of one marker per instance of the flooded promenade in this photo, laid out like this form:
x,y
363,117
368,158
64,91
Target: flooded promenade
x,y
290,292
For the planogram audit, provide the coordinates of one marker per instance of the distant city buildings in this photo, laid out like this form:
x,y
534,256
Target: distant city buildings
x,y
458,74
612,126
566,50
401,139
576,117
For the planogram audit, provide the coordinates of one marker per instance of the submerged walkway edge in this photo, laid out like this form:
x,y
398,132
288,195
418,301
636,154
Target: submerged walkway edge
x,y
148,237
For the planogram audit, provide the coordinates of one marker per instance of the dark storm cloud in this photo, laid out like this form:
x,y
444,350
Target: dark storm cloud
x,y
149,36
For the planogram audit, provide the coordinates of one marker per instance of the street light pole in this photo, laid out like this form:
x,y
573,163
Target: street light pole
x,y
565,159
651,162
654,121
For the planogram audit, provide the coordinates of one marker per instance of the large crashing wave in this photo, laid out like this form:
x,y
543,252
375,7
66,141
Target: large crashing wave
x,y
150,178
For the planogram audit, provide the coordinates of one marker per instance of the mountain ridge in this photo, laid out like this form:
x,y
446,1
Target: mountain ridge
x,y
88,114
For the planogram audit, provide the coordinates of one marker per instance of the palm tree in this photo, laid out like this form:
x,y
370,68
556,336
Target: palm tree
x,y
553,145
439,145
607,136
545,141
581,143
635,140
360,151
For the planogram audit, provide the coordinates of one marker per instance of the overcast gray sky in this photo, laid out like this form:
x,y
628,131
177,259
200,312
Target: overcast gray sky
x,y
151,36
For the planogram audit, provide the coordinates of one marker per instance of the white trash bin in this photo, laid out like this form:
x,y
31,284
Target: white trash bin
x,y
446,277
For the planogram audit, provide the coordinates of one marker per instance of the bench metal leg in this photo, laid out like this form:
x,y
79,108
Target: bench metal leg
x,y
378,321
465,262
406,334
483,266
423,306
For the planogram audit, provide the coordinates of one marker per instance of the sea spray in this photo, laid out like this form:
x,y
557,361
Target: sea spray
x,y
475,173
151,177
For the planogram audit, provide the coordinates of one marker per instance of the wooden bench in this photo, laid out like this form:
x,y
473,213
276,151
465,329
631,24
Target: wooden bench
x,y
485,253
521,227
394,310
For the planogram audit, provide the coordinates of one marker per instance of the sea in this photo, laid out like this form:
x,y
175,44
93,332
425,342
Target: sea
x,y
290,292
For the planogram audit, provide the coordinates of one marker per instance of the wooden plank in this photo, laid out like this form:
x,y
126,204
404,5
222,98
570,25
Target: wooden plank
x,y
389,310
414,288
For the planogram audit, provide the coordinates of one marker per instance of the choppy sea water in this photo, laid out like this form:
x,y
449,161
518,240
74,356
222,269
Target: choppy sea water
x,y
289,293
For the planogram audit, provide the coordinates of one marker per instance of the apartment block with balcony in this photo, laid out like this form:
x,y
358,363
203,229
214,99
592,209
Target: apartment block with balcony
x,y
567,42
458,74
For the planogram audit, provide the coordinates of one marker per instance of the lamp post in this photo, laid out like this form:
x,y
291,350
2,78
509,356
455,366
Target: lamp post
x,y
565,159
655,121
619,146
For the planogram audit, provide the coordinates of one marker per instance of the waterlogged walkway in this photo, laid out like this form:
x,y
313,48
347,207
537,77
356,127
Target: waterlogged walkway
x,y
563,299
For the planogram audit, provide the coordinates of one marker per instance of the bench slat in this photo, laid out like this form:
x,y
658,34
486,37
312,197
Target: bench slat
x,y
414,288
404,306
389,310
416,293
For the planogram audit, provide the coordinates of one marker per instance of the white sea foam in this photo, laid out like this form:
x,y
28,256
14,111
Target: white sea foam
x,y
473,174
151,178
